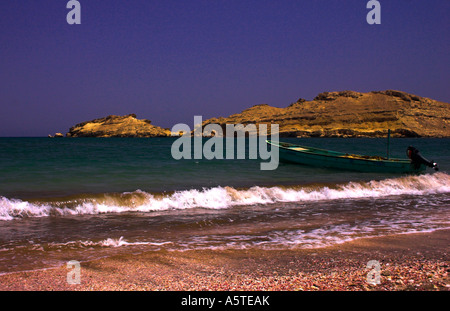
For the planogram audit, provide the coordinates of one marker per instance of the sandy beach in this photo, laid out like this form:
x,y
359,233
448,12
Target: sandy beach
x,y
412,262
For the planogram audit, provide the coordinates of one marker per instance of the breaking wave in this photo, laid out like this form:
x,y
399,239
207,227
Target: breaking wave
x,y
223,197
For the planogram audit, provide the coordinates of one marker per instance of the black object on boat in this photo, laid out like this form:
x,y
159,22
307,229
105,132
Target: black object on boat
x,y
417,159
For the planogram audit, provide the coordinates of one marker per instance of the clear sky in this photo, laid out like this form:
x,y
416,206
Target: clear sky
x,y
168,60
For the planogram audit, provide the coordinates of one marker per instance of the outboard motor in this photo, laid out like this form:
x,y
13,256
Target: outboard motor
x,y
417,159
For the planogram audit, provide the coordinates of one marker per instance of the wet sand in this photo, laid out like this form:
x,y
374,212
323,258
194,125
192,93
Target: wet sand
x,y
413,262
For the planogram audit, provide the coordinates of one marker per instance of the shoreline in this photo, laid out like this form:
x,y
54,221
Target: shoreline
x,y
415,262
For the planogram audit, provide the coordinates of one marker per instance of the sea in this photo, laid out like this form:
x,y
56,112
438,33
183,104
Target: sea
x,y
65,199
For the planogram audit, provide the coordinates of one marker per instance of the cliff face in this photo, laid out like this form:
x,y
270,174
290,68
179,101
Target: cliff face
x,y
117,126
352,114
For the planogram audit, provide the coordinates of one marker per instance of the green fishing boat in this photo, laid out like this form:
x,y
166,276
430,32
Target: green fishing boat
x,y
353,162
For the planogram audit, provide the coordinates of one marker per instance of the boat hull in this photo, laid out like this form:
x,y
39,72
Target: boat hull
x,y
336,160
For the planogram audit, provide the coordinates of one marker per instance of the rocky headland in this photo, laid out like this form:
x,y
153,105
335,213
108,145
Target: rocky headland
x,y
329,114
351,114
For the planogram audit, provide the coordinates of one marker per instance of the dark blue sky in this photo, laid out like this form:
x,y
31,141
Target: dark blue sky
x,y
169,60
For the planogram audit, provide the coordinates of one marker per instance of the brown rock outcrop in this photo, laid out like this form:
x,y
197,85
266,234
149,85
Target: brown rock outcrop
x,y
118,126
352,114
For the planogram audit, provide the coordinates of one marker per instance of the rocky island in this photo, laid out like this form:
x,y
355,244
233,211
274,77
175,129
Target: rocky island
x,y
118,126
329,114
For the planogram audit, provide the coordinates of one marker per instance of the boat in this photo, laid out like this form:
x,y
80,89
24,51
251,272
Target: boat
x,y
316,157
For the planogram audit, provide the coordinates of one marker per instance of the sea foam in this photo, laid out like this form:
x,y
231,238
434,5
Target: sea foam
x,y
224,197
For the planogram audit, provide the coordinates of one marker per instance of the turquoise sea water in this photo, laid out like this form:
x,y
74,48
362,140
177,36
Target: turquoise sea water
x,y
85,198
36,167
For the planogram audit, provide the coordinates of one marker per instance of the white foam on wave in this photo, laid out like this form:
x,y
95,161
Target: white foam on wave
x,y
111,242
107,243
226,197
